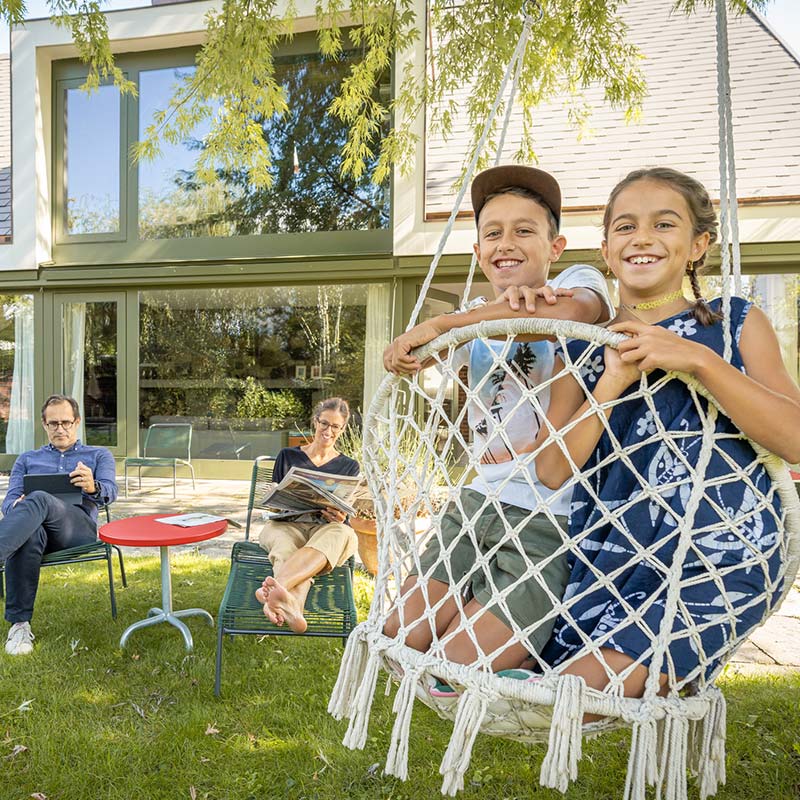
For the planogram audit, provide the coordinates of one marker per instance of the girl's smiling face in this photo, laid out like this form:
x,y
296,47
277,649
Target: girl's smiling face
x,y
650,239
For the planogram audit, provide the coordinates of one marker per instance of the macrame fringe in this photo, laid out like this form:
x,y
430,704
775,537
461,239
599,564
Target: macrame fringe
x,y
708,752
674,747
351,669
643,760
564,749
356,736
397,759
469,718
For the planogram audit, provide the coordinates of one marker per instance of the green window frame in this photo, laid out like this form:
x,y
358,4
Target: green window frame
x,y
61,233
121,248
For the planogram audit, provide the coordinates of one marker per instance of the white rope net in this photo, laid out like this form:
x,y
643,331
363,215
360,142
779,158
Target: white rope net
x,y
725,553
701,549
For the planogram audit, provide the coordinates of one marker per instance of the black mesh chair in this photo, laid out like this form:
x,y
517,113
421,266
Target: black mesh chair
x,y
330,608
94,551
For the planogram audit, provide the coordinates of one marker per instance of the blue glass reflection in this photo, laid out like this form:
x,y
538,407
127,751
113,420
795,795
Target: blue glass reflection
x,y
92,160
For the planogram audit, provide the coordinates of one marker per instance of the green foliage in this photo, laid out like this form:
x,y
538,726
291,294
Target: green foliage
x,y
260,403
575,44
736,6
89,29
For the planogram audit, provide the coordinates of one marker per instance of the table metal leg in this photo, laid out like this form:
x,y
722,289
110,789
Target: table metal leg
x,y
166,614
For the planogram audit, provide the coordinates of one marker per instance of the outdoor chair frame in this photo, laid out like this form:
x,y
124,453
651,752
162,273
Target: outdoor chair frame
x,y
94,551
157,430
330,607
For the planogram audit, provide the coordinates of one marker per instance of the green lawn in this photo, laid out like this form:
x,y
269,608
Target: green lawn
x,y
80,719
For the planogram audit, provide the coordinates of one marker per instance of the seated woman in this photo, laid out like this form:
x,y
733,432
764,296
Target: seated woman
x,y
658,226
303,548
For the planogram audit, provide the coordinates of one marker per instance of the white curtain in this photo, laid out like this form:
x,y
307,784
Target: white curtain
x,y
377,337
777,297
19,436
74,323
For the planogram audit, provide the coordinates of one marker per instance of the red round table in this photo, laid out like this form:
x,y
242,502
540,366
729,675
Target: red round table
x,y
146,532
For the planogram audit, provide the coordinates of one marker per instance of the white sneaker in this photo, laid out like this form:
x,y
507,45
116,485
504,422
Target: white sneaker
x,y
20,639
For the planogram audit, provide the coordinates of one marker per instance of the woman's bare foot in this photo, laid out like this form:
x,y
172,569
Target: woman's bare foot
x,y
282,604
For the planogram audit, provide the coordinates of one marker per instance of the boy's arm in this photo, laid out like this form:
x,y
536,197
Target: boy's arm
x,y
568,403
583,306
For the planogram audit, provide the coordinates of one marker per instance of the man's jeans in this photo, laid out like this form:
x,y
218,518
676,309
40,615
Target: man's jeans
x,y
37,525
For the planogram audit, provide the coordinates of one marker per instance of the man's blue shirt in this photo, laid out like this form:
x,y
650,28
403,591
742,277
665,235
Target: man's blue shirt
x,y
49,459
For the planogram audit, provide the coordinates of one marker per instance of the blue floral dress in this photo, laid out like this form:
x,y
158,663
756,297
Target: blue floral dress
x,y
629,536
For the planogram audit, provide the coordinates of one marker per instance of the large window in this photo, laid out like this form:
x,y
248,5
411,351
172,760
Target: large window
x,y
245,366
151,209
308,192
17,413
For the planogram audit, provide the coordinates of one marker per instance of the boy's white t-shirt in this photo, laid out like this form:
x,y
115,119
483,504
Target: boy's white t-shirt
x,y
501,470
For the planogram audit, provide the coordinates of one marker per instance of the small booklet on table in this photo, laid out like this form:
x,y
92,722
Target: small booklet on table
x,y
193,520
307,492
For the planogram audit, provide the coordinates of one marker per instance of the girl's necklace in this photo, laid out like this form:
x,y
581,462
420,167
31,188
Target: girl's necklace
x,y
661,301
650,304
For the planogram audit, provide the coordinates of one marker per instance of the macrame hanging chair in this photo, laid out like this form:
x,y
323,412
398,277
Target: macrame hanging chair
x,y
410,441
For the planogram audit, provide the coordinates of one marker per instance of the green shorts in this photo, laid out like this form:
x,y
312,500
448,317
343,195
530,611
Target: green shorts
x,y
535,541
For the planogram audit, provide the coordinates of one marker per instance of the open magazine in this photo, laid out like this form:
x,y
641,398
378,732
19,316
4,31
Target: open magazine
x,y
307,491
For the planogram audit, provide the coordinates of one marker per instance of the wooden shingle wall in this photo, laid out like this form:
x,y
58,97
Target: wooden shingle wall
x,y
678,126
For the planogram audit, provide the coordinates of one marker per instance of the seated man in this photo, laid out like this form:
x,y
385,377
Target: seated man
x,y
41,523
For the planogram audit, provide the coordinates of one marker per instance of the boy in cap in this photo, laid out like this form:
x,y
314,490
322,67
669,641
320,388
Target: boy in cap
x,y
517,213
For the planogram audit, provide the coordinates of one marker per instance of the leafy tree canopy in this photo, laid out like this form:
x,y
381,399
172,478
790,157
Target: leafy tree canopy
x,y
574,44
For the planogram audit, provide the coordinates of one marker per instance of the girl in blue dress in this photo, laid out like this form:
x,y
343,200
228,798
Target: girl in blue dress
x,y
658,226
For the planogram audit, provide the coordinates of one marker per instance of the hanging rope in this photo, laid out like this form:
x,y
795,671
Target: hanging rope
x,y
500,147
519,54
728,201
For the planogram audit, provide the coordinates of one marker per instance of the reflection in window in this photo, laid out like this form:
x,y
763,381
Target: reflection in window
x,y
245,366
89,368
91,123
778,296
17,414
308,192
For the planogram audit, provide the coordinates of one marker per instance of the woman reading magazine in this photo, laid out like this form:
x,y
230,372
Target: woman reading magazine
x,y
303,548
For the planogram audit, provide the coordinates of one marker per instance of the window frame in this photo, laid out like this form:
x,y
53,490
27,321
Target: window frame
x,y
61,233
110,249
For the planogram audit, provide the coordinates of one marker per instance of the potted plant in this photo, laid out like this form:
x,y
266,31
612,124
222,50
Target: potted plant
x,y
364,523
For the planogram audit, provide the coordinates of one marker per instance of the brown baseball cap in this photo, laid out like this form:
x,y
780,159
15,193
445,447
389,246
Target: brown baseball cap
x,y
494,179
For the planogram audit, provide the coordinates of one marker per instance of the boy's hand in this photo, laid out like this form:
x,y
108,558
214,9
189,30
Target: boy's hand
x,y
515,296
396,356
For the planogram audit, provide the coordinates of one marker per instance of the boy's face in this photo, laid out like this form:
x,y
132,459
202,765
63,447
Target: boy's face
x,y
514,246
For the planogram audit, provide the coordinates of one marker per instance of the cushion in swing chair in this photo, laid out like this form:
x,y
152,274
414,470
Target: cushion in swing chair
x,y
682,539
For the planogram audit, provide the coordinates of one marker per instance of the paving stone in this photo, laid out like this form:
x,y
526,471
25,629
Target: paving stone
x,y
750,653
791,605
780,638
757,670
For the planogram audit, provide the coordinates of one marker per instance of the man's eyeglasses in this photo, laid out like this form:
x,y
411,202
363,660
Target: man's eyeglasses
x,y
324,424
54,425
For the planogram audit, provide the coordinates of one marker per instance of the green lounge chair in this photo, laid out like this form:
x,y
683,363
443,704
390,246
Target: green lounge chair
x,y
330,608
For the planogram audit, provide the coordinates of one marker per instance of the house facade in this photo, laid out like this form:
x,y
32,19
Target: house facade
x,y
153,297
